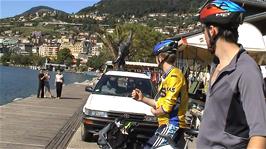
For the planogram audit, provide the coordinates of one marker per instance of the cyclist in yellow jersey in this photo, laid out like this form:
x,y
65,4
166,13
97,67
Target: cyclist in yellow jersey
x,y
173,92
171,101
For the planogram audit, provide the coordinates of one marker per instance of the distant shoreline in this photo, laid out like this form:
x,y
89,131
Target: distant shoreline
x,y
22,82
36,68
86,82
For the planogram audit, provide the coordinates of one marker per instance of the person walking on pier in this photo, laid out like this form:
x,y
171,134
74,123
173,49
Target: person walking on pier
x,y
235,108
47,84
59,80
41,78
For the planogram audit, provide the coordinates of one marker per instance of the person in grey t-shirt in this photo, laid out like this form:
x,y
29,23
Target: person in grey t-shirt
x,y
235,109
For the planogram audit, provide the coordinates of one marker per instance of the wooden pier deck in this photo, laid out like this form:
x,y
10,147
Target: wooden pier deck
x,y
34,123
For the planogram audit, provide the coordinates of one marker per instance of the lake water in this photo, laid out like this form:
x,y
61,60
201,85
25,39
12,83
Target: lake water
x,y
22,82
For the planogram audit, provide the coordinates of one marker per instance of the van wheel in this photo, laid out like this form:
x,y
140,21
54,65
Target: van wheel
x,y
85,135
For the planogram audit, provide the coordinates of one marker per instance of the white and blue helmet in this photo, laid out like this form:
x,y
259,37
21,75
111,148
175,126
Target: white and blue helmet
x,y
168,46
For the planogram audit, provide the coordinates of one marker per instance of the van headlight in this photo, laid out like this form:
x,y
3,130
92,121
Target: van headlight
x,y
150,118
95,113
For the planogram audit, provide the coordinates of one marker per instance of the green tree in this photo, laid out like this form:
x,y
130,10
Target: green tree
x,y
68,61
64,56
143,41
97,61
35,59
5,59
144,38
41,61
78,62
24,60
141,7
15,59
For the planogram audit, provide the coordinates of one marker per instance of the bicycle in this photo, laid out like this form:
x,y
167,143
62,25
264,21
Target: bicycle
x,y
120,133
189,133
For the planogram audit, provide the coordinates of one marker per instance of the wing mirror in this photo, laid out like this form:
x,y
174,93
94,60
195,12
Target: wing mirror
x,y
89,89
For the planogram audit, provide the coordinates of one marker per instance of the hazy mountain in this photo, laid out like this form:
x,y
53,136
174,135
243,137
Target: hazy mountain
x,y
41,9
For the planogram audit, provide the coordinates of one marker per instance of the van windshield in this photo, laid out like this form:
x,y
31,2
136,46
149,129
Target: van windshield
x,y
123,86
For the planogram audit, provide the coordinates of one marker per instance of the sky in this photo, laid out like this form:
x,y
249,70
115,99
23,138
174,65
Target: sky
x,y
10,8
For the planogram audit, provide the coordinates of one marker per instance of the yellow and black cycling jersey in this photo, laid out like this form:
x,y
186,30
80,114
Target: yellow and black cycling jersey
x,y
173,98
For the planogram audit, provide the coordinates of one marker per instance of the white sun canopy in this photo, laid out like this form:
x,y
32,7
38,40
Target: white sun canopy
x,y
249,36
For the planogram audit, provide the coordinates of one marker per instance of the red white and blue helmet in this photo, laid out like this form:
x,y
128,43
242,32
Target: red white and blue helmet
x,y
221,13
169,46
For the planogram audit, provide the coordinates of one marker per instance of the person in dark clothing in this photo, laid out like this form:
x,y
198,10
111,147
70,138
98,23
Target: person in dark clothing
x,y
41,78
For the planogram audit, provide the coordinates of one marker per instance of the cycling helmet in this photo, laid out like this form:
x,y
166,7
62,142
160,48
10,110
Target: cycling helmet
x,y
222,13
168,46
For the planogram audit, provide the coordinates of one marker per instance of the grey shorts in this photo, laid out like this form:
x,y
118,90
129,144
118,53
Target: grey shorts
x,y
47,85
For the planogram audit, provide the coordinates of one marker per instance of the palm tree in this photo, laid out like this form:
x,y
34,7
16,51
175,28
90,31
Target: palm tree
x,y
112,41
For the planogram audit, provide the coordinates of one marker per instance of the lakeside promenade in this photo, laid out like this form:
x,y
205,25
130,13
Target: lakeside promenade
x,y
34,123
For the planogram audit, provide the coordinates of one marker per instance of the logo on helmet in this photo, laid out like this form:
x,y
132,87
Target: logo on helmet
x,y
223,14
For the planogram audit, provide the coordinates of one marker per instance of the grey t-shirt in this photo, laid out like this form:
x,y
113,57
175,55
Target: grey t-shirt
x,y
235,109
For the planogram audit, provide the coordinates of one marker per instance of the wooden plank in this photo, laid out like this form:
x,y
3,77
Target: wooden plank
x,y
35,122
10,145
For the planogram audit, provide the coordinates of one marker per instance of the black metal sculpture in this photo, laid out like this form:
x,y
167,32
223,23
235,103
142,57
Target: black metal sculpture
x,y
123,51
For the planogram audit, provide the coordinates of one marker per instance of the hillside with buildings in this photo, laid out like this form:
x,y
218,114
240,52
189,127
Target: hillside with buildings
x,y
44,31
